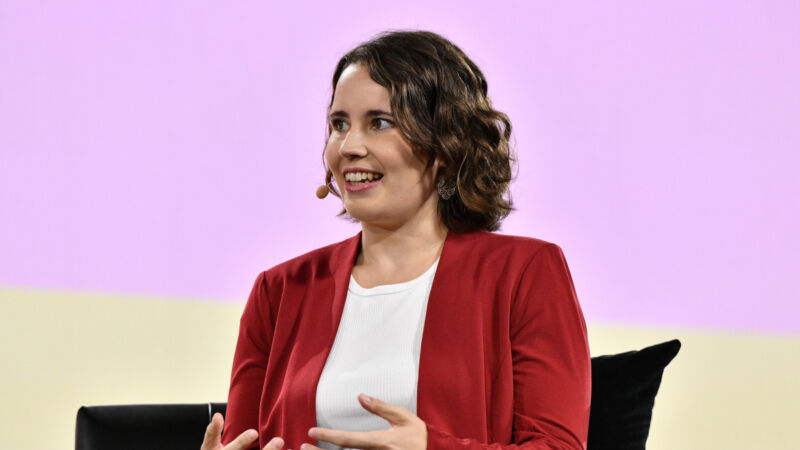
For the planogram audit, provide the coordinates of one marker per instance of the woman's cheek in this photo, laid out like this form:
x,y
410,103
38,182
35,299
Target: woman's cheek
x,y
332,159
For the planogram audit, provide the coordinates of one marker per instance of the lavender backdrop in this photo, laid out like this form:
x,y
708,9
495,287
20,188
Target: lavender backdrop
x,y
173,148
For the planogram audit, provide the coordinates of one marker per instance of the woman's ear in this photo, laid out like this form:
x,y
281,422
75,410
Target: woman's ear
x,y
438,164
436,169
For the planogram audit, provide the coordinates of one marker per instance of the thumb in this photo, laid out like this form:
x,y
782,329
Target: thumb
x,y
396,415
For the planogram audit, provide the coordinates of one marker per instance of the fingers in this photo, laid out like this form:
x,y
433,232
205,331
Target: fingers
x,y
213,433
309,447
275,443
407,430
243,441
351,439
396,415
211,440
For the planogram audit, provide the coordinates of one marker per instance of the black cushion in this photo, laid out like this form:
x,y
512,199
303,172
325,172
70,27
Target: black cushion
x,y
137,427
624,388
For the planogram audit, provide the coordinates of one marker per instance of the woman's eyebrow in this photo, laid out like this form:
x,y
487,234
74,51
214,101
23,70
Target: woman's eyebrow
x,y
377,112
370,113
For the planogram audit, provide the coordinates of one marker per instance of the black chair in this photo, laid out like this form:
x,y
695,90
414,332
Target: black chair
x,y
624,387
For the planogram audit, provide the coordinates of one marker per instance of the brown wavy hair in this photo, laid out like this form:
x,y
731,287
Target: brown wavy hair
x,y
440,104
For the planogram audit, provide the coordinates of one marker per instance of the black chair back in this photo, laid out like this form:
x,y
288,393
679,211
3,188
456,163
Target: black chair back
x,y
123,427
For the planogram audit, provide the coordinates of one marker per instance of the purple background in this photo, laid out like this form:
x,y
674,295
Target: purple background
x,y
173,148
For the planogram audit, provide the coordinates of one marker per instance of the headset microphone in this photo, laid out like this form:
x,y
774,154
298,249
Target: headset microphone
x,y
322,191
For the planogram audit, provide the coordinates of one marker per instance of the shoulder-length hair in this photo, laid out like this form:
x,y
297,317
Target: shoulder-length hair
x,y
440,104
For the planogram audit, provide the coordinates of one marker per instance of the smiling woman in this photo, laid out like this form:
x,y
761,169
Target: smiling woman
x,y
436,99
383,180
426,329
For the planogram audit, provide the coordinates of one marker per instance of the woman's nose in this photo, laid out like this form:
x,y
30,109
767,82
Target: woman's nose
x,y
353,146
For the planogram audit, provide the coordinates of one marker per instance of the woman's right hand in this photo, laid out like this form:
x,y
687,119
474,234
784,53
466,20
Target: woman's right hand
x,y
213,438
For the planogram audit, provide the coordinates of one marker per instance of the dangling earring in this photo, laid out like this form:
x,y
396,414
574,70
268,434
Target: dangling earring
x,y
446,189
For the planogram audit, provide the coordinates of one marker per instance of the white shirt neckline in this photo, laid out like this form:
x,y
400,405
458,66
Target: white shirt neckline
x,y
392,288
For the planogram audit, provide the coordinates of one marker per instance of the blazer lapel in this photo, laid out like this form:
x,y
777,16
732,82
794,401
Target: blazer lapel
x,y
441,304
325,318
450,380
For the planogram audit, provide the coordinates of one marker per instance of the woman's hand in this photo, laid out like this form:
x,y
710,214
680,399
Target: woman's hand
x,y
407,430
212,439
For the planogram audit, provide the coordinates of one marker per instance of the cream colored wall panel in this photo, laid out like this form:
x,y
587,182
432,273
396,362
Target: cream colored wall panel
x,y
723,390
61,351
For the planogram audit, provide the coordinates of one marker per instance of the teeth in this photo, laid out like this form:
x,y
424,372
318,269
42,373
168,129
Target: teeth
x,y
356,177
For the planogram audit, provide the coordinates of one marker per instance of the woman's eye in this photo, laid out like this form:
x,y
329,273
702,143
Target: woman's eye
x,y
339,125
382,124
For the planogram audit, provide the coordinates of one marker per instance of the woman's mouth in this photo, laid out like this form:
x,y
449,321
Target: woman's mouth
x,y
360,181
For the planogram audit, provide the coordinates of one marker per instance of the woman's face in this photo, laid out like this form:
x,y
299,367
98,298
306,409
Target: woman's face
x,y
381,180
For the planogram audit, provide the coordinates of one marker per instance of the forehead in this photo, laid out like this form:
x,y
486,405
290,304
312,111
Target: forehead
x,y
356,91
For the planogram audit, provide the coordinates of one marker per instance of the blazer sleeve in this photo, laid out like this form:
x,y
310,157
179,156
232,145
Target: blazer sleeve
x,y
249,364
550,359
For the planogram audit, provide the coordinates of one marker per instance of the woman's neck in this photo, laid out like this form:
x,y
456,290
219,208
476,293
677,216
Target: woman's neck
x,y
394,255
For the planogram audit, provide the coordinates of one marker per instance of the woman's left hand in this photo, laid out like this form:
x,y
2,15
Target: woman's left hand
x,y
407,430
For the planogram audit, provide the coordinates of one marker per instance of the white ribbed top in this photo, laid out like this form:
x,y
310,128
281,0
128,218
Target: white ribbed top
x,y
376,352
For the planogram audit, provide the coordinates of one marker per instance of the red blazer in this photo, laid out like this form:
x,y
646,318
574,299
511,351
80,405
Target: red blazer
x,y
504,357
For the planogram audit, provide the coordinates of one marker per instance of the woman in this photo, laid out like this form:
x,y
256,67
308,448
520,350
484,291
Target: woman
x,y
462,338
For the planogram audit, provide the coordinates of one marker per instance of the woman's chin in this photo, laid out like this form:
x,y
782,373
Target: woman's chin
x,y
368,214
364,216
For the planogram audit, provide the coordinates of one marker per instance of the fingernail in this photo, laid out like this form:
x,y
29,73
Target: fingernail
x,y
251,434
366,399
312,432
278,443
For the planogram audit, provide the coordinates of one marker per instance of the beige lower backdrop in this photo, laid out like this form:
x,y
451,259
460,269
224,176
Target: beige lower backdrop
x,y
60,351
